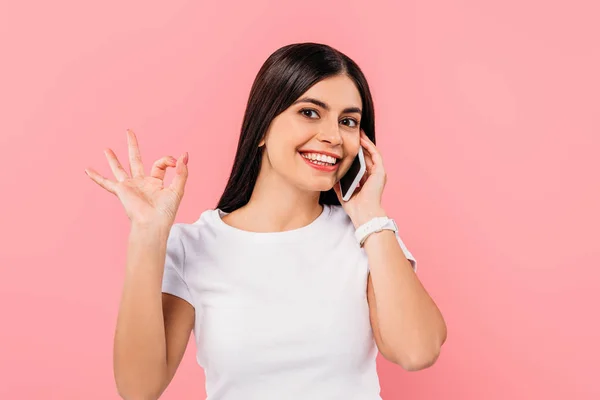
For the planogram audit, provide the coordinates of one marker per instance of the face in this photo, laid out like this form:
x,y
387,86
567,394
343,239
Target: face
x,y
313,145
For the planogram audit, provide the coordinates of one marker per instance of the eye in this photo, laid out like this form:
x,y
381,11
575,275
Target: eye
x,y
307,110
352,121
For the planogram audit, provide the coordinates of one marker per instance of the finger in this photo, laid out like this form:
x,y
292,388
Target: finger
x,y
181,174
159,168
135,158
100,180
369,163
117,169
370,147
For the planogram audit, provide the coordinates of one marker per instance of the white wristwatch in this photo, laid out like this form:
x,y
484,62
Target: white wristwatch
x,y
377,224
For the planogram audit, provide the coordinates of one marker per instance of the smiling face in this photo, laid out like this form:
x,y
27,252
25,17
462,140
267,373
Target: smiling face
x,y
313,142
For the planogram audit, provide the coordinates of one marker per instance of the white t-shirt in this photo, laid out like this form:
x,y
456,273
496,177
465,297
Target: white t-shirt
x,y
279,315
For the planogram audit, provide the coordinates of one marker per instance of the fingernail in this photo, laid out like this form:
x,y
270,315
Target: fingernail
x,y
86,172
185,158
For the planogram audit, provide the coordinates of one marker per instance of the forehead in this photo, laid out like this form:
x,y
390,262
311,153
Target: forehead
x,y
338,92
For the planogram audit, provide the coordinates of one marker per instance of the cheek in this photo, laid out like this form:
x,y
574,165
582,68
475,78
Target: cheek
x,y
351,146
289,138
344,167
283,154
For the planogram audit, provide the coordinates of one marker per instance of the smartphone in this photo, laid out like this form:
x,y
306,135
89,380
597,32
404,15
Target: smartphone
x,y
349,182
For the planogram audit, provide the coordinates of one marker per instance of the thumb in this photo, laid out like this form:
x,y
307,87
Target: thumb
x,y
181,174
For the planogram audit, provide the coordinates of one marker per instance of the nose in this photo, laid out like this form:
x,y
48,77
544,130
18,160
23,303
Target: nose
x,y
330,135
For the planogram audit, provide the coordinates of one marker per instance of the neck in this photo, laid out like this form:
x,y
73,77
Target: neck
x,y
276,205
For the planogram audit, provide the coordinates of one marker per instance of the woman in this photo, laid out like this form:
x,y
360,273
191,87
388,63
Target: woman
x,y
283,299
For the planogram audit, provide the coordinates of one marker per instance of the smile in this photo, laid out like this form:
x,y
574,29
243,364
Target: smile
x,y
320,161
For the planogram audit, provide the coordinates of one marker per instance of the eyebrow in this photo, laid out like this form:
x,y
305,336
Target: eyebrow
x,y
326,107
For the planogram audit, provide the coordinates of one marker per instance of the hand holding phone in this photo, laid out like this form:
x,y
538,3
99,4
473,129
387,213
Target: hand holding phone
x,y
349,182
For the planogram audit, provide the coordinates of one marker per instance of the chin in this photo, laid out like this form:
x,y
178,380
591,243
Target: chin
x,y
324,186
315,181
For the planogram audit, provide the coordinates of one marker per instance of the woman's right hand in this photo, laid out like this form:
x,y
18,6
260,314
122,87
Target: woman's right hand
x,y
147,201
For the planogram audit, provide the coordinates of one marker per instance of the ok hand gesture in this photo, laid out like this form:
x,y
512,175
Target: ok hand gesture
x,y
147,201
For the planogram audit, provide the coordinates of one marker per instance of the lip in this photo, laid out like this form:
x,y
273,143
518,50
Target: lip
x,y
324,168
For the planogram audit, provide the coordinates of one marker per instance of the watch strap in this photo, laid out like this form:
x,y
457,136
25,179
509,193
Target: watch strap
x,y
374,225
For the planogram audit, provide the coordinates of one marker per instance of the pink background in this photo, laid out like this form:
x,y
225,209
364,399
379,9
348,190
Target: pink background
x,y
487,118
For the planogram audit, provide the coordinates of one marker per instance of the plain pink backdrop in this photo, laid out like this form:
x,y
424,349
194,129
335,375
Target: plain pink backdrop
x,y
487,118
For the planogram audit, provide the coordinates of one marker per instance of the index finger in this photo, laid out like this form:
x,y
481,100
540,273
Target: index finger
x,y
370,147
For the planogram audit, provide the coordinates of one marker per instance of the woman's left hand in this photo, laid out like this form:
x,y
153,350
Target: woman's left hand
x,y
365,203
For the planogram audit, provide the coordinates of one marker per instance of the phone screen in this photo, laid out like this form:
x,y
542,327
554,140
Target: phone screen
x,y
352,173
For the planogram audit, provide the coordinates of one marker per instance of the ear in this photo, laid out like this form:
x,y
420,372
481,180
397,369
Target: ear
x,y
262,141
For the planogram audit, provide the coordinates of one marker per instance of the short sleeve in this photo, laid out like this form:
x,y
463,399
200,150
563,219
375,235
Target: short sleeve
x,y
407,253
174,277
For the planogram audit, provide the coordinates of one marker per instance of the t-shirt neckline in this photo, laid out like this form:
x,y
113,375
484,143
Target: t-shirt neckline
x,y
294,234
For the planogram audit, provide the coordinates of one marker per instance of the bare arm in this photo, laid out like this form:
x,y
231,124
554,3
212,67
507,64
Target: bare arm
x,y
153,328
407,325
179,320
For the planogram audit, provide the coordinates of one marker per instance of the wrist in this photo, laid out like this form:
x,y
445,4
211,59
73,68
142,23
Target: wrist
x,y
150,231
366,215
374,225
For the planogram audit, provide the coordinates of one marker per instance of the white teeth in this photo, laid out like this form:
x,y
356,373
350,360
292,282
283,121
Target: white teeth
x,y
320,159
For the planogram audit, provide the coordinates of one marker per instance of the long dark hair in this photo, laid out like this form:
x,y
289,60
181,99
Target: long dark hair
x,y
283,78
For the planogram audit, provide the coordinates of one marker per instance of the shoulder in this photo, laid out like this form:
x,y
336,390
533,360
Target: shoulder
x,y
339,217
193,233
